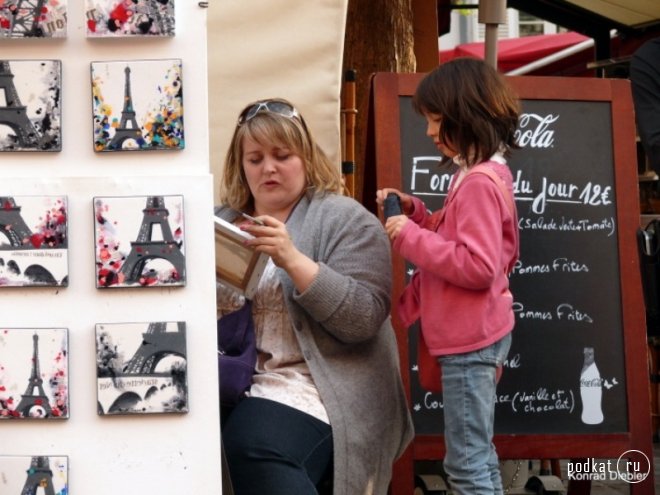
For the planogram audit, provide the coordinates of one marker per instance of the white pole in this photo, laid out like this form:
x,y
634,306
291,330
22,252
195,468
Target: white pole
x,y
547,60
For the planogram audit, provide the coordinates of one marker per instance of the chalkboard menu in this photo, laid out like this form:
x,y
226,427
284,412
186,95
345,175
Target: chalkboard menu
x,y
575,382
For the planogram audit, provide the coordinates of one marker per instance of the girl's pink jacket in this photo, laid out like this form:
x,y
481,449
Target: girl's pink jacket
x,y
460,288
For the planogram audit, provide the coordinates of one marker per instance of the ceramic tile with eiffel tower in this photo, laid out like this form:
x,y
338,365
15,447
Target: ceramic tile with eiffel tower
x,y
33,18
34,373
139,241
30,106
137,105
36,474
34,241
122,18
141,368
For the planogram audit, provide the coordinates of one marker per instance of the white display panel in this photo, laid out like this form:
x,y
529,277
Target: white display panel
x,y
166,454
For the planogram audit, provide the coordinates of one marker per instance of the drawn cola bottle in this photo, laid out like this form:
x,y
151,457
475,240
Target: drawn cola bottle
x,y
591,389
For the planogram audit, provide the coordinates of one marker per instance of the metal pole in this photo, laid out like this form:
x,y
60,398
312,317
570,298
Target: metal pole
x,y
349,113
492,13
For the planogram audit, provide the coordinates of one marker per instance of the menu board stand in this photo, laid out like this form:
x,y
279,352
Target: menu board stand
x,y
577,288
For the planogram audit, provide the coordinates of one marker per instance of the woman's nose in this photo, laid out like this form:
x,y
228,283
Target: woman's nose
x,y
269,165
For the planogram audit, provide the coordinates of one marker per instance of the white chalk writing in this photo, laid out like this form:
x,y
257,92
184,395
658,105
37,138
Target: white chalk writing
x,y
563,312
557,265
563,224
542,401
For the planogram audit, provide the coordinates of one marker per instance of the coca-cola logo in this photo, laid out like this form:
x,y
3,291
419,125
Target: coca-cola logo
x,y
534,130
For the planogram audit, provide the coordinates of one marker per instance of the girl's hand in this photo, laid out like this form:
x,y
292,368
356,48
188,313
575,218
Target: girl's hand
x,y
406,200
394,224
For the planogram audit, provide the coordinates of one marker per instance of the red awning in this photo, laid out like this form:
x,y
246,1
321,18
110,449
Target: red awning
x,y
513,53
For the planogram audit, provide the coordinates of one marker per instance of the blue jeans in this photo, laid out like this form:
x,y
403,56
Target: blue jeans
x,y
468,390
275,449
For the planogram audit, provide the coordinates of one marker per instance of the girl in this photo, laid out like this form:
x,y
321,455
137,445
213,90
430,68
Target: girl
x,y
463,254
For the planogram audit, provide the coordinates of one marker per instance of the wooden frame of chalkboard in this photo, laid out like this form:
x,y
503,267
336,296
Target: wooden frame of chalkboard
x,y
577,288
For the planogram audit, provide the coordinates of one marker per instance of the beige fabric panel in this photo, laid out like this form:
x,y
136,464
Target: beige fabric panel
x,y
275,48
628,12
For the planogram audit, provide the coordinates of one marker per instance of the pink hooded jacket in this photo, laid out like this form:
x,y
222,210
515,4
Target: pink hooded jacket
x,y
463,254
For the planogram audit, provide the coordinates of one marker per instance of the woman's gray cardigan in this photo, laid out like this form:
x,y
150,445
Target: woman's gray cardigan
x,y
344,331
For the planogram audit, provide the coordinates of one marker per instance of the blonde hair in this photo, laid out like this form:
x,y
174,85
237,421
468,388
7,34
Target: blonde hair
x,y
269,128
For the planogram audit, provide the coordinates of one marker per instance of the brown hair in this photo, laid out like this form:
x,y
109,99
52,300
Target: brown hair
x,y
478,108
287,132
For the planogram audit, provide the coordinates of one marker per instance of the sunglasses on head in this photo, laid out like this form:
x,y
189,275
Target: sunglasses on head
x,y
277,107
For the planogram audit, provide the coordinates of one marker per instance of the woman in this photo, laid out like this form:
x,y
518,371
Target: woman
x,y
327,399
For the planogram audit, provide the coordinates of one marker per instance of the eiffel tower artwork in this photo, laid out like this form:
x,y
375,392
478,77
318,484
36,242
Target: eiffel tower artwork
x,y
128,126
35,397
37,127
139,18
157,342
141,368
34,475
15,354
39,476
33,241
12,224
14,113
33,19
151,115
156,252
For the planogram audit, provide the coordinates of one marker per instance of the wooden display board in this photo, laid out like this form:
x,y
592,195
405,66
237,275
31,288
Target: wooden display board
x,y
576,287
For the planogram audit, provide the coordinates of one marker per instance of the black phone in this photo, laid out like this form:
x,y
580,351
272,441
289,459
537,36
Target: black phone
x,y
392,206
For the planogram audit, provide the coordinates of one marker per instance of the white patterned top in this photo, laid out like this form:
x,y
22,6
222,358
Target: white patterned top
x,y
281,374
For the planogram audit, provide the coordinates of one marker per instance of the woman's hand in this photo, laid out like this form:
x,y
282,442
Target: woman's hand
x,y
273,239
405,199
